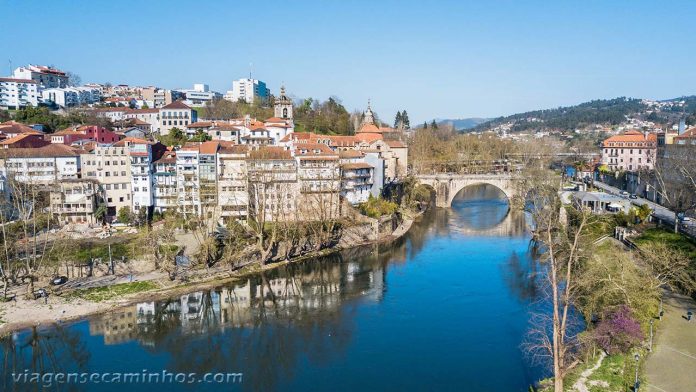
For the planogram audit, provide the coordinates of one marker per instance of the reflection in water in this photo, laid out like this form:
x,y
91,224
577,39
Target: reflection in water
x,y
459,291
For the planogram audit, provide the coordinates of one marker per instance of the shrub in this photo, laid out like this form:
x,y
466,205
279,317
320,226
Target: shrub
x,y
376,207
618,331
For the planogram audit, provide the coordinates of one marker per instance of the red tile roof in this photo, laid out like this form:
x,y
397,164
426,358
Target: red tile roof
x,y
51,150
13,127
631,136
356,165
270,152
176,105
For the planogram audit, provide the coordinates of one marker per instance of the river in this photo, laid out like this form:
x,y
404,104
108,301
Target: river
x,y
443,308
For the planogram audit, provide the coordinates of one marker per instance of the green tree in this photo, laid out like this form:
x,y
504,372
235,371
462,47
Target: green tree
x,y
124,215
433,125
398,121
425,125
175,137
405,120
200,136
100,213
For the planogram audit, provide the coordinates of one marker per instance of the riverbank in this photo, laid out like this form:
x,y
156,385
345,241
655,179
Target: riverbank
x,y
22,313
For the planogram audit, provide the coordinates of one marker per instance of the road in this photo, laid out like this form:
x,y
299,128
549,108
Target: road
x,y
660,212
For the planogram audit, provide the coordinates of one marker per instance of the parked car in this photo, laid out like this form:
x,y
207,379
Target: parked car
x,y
633,196
624,193
59,280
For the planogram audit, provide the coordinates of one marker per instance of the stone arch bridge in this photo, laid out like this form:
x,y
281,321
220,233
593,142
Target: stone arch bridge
x,y
447,185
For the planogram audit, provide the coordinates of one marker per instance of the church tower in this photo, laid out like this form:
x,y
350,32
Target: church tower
x,y
283,106
368,117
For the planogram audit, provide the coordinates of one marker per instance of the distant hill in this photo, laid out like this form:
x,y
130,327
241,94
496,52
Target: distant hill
x,y
605,112
601,111
462,123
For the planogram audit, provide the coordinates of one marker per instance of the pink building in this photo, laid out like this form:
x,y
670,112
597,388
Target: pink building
x,y
630,151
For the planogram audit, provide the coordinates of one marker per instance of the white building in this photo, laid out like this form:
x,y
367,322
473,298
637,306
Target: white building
x,y
200,95
356,176
46,77
39,166
165,193
233,193
18,93
62,97
142,154
176,115
248,90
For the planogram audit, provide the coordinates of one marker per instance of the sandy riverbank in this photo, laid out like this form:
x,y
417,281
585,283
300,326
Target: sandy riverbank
x,y
22,313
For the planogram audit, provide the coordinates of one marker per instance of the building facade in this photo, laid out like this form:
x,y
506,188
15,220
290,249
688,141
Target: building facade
x,y
630,151
18,93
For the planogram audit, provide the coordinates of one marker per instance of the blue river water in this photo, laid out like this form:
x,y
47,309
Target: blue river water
x,y
444,308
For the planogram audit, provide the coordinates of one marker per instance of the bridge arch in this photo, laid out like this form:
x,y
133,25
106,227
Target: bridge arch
x,y
448,185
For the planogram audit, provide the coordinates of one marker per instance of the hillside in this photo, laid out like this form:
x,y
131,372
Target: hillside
x,y
606,112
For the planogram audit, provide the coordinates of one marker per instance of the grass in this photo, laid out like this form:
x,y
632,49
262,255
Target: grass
x,y
99,294
677,240
612,371
614,374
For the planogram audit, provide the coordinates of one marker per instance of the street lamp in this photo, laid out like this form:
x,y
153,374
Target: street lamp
x,y
636,385
651,335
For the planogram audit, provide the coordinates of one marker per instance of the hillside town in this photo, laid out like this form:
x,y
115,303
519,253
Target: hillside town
x,y
244,166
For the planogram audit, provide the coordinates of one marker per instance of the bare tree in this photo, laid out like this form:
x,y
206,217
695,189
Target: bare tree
x,y
669,266
563,252
675,179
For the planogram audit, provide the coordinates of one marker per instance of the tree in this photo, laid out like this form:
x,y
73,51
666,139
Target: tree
x,y
328,117
618,331
200,136
433,125
160,243
124,215
669,266
425,125
565,248
73,79
398,121
404,119
675,179
175,137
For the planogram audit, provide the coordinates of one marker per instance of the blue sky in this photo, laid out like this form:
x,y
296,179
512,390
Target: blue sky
x,y
433,58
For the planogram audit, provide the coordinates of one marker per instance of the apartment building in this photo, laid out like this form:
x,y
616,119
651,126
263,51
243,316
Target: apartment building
x,y
176,115
233,192
39,166
199,95
71,96
165,193
630,151
273,185
160,97
75,201
142,154
356,176
46,77
319,177
248,90
110,166
18,93
196,172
